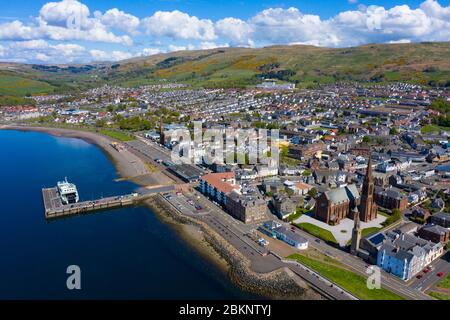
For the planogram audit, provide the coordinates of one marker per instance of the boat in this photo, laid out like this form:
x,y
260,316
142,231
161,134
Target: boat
x,y
68,192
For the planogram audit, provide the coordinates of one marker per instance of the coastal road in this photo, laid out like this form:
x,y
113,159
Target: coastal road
x,y
357,265
261,262
147,152
431,278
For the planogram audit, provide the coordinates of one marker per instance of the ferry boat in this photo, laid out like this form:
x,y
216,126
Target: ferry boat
x,y
68,192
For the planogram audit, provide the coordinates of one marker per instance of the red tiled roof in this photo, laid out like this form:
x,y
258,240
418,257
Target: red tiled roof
x,y
219,181
303,186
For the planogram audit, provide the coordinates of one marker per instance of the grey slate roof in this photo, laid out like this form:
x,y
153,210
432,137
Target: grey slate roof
x,y
341,195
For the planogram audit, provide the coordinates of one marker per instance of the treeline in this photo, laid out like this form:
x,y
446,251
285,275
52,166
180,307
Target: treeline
x,y
442,106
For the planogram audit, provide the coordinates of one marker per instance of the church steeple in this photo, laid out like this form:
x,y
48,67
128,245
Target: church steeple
x,y
356,232
368,208
161,131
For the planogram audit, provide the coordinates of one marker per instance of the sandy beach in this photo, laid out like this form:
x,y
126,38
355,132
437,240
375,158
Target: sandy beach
x,y
128,165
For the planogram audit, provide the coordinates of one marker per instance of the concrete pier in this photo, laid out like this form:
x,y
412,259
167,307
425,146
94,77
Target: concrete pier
x,y
55,209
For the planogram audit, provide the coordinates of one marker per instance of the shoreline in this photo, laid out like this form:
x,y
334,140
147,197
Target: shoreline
x,y
125,169
279,284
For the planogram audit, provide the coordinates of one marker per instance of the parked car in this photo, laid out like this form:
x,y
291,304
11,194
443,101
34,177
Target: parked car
x,y
419,276
441,274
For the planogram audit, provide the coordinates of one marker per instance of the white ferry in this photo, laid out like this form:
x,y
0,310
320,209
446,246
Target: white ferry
x,y
68,192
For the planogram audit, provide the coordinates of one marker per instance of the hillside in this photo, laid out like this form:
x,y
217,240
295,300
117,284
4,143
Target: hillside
x,y
425,63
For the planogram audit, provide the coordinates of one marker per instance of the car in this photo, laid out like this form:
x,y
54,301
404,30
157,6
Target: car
x,y
426,270
441,274
317,240
419,276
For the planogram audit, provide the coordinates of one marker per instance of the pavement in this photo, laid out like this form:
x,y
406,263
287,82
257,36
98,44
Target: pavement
x,y
342,232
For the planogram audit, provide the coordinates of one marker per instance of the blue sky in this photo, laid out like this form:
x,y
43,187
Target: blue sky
x,y
68,31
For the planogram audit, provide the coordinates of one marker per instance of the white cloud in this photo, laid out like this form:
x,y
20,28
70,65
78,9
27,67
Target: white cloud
x,y
235,30
212,45
277,25
65,13
42,57
66,20
433,9
150,51
31,45
42,51
100,55
173,48
52,35
16,30
377,24
119,19
179,25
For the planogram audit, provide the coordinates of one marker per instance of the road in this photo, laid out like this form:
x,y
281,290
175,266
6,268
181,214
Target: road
x,y
431,278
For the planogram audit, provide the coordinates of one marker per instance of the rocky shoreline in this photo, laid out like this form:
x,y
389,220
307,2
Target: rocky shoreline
x,y
279,284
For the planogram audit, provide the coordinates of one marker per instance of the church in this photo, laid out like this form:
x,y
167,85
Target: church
x,y
337,204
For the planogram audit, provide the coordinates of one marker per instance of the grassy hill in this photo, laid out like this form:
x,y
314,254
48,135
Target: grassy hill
x,y
308,66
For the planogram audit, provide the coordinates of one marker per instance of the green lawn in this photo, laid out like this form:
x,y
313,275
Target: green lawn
x,y
445,283
318,232
350,281
117,135
433,128
368,231
439,295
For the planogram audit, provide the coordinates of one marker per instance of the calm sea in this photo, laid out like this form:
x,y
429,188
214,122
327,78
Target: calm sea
x,y
123,254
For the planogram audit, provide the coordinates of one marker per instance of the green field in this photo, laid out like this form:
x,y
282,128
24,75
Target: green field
x,y
445,283
13,101
439,295
318,232
11,85
117,135
350,281
431,128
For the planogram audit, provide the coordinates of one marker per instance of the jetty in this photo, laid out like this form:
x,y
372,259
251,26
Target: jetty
x,y
54,208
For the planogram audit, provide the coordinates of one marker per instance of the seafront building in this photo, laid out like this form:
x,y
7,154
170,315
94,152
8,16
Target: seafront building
x,y
406,255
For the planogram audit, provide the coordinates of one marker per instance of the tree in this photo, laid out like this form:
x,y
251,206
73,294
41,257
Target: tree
x,y
307,173
366,139
313,193
101,123
393,131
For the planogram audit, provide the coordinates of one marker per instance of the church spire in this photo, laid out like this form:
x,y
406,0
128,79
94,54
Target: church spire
x,y
356,232
368,208
161,131
369,167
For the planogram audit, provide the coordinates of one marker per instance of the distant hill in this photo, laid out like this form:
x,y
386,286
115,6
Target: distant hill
x,y
308,66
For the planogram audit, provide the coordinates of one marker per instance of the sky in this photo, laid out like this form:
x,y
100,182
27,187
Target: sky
x,y
72,31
